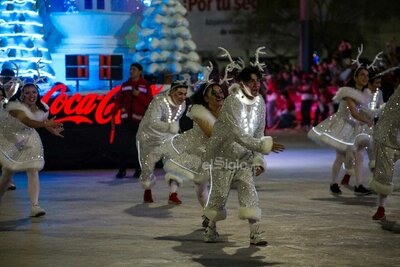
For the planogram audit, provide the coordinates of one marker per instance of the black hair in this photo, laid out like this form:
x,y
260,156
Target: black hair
x,y
373,76
245,74
7,73
39,103
137,65
198,97
178,84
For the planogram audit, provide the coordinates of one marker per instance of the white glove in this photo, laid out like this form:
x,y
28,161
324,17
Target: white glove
x,y
266,144
174,127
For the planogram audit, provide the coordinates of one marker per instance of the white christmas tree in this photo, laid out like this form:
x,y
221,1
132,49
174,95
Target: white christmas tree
x,y
21,38
164,40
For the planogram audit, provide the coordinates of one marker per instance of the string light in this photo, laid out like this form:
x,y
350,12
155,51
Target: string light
x,y
169,119
248,123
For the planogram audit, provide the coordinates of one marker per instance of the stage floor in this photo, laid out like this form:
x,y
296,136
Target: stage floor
x,y
94,219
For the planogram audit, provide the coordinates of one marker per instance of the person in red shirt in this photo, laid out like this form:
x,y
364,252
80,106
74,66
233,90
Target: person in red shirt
x,y
132,100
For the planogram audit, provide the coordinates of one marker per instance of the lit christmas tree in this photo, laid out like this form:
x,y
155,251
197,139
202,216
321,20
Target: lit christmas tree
x,y
164,44
21,38
70,6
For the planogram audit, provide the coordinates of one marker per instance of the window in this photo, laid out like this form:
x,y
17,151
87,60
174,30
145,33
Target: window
x,y
88,4
100,4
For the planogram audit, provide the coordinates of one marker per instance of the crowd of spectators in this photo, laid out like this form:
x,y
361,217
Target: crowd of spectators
x,y
299,100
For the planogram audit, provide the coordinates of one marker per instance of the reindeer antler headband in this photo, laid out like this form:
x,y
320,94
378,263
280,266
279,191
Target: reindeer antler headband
x,y
256,62
38,67
370,66
229,68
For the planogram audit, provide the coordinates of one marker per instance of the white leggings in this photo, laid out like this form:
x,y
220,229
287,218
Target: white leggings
x,y
33,184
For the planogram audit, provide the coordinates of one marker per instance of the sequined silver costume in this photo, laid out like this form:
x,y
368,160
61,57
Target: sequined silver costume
x,y
184,151
234,148
20,145
160,122
373,111
341,131
387,145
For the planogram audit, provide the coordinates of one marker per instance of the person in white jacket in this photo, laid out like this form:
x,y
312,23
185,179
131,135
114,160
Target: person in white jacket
x,y
160,122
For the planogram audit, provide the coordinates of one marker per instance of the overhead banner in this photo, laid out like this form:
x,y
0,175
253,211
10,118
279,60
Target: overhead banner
x,y
216,23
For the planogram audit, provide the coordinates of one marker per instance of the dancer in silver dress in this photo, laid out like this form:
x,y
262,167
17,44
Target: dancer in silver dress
x,y
20,145
184,151
160,122
8,87
373,110
348,130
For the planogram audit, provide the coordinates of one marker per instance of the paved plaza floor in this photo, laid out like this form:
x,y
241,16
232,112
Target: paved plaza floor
x,y
94,219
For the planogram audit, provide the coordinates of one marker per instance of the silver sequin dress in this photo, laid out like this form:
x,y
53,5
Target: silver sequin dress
x,y
387,145
341,131
234,148
160,122
20,145
184,151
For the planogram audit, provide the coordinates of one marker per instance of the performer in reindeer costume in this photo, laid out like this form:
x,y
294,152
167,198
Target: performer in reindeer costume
x,y
234,152
349,130
20,145
8,87
160,122
184,151
373,110
387,148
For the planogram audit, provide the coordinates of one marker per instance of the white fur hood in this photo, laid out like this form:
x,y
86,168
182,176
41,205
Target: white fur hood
x,y
38,115
236,90
350,92
202,113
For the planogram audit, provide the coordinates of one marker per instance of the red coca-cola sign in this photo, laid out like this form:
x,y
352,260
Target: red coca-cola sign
x,y
77,107
89,108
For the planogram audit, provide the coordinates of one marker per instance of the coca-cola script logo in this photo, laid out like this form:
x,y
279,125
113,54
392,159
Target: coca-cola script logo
x,y
77,107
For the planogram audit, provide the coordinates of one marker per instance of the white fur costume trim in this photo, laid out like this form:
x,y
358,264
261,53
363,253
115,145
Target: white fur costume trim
x,y
259,161
362,140
249,213
172,177
20,166
352,93
381,188
266,144
236,90
37,116
202,113
170,101
147,182
215,215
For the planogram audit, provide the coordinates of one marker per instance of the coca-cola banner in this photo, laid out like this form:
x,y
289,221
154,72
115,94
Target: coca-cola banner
x,y
92,108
